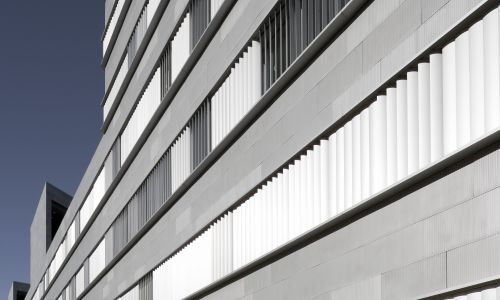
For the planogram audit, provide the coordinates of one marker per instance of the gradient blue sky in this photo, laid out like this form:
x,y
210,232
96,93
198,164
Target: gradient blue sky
x,y
50,89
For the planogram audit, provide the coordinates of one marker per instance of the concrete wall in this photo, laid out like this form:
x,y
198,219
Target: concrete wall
x,y
384,38
15,288
41,228
38,240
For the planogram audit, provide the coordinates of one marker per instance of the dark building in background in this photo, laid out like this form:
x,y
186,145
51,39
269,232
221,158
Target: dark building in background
x,y
286,149
18,291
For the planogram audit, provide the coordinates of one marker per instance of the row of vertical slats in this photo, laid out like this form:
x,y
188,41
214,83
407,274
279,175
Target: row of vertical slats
x,y
180,157
112,25
80,281
146,287
133,294
151,10
166,74
153,192
237,94
444,104
141,115
117,83
288,30
137,36
188,270
93,199
97,260
120,231
200,17
69,293
214,7
200,134
180,47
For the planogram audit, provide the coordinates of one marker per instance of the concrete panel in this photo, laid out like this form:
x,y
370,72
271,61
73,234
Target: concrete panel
x,y
371,18
397,27
366,289
418,278
443,20
486,175
429,7
474,261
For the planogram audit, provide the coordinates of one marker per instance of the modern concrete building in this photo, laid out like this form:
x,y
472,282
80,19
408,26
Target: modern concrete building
x,y
288,149
18,291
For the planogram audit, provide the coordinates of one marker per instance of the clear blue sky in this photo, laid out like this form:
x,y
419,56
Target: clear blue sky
x,y
51,85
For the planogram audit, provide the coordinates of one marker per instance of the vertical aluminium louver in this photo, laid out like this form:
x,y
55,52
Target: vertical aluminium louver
x,y
165,71
97,260
214,7
116,85
80,281
133,294
180,157
200,17
151,10
145,108
180,47
288,30
112,25
200,134
146,287
137,36
237,94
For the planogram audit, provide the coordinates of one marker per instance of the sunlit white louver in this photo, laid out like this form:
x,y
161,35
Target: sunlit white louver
x,y
97,261
237,94
181,160
151,9
117,83
214,7
112,25
186,270
93,199
141,116
80,281
133,294
180,47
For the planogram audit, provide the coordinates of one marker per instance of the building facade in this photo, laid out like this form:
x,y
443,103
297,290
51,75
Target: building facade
x,y
289,149
18,291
